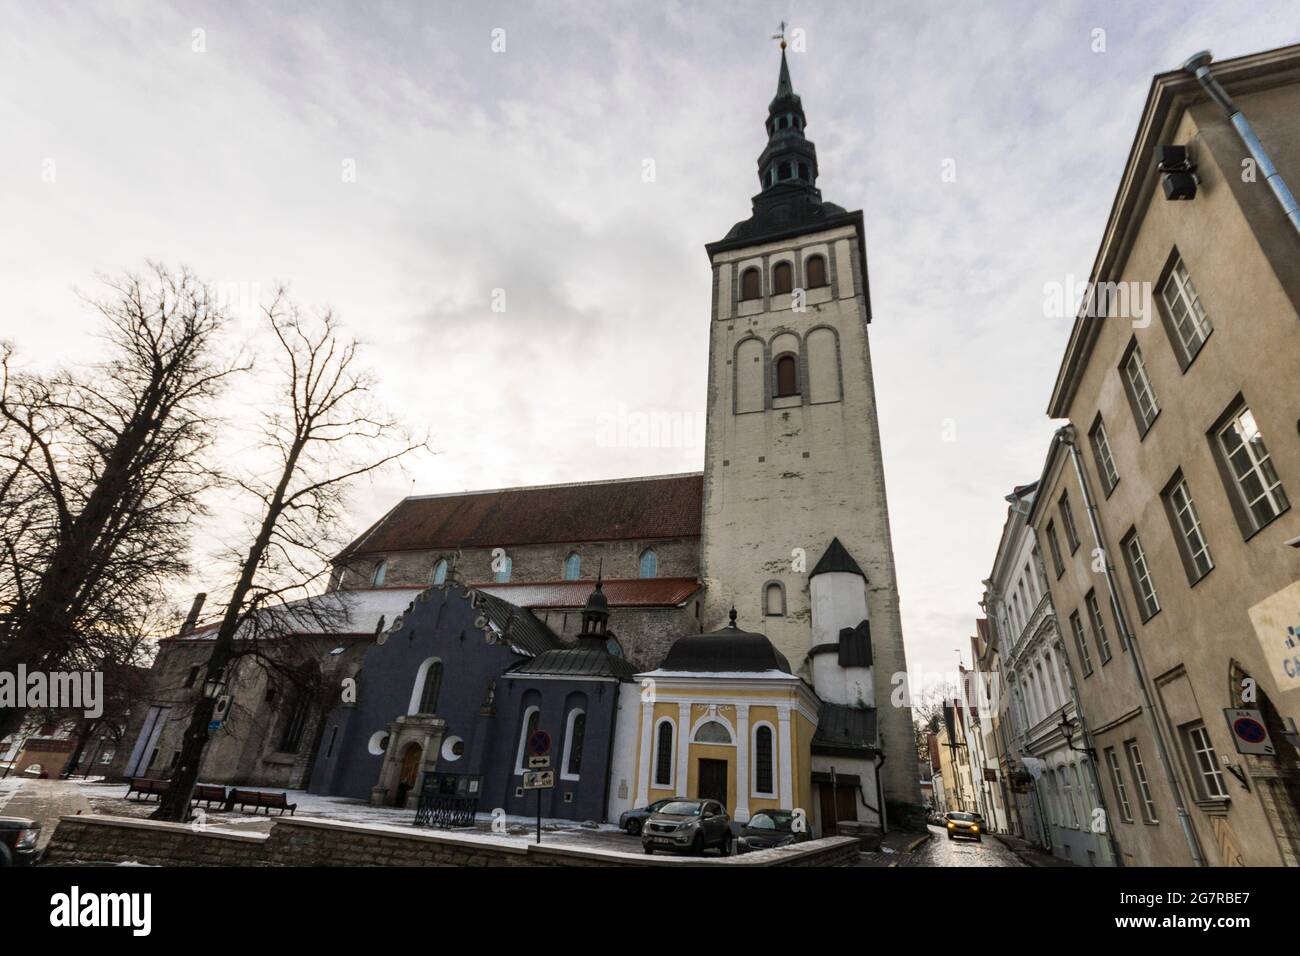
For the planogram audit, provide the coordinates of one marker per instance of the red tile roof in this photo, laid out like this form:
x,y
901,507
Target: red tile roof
x,y
663,506
636,592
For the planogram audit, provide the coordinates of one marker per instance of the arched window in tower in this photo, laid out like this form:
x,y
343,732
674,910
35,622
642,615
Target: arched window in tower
x,y
502,567
815,272
381,572
751,286
787,376
787,170
782,278
774,599
763,759
440,571
664,754
649,564
428,685
572,566
823,365
803,172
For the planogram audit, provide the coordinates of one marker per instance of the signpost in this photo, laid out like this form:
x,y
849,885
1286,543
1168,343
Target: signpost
x,y
539,749
1248,730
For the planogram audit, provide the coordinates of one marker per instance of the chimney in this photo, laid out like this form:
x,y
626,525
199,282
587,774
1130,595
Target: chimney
x,y
193,618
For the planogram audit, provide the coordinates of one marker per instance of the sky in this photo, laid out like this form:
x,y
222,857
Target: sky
x,y
418,165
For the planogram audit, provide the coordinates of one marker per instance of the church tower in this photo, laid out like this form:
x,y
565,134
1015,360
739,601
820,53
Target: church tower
x,y
792,457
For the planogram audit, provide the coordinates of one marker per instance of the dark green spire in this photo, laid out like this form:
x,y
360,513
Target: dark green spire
x,y
789,160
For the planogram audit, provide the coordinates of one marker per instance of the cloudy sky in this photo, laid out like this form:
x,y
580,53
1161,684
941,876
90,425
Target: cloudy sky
x,y
402,161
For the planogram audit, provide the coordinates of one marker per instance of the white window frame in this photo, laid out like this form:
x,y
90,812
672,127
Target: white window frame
x,y
1185,309
1245,430
1139,382
753,760
568,744
1121,789
523,737
1137,560
655,783
1105,459
1067,522
1189,527
1205,761
1144,785
421,677
1098,624
1080,640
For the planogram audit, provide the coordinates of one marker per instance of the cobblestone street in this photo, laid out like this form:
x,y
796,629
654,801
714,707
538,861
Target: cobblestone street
x,y
940,851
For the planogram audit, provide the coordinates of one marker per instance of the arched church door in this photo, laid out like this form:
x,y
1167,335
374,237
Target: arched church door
x,y
410,769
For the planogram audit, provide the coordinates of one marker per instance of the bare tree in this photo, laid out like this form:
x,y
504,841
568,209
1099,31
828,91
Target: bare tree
x,y
325,433
101,471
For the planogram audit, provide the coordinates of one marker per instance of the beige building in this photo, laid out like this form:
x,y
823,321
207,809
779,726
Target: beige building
x,y
1163,511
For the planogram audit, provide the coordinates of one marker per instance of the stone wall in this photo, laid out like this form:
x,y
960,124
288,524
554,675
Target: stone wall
x,y
312,842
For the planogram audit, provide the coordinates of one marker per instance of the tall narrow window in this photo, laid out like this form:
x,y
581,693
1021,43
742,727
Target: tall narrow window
x,y
787,376
1085,658
1141,574
1098,625
815,272
527,727
1055,547
296,722
1105,461
573,739
381,572
1191,326
1117,781
572,567
751,285
774,600
664,754
1067,522
1201,755
440,571
782,278
432,688
502,566
1144,785
763,759
1070,808
1140,393
1187,530
649,564
1251,470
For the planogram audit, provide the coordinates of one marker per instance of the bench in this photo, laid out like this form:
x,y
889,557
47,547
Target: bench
x,y
147,787
208,794
259,800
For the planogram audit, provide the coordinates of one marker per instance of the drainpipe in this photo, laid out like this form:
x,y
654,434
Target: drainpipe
x,y
1066,436
1199,66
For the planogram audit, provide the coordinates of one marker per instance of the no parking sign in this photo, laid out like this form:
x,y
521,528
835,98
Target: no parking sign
x,y
1248,730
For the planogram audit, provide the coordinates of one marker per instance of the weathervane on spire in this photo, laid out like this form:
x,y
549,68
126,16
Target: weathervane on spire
x,y
781,35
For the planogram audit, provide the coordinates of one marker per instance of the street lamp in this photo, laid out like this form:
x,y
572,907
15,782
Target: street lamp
x,y
214,687
1067,731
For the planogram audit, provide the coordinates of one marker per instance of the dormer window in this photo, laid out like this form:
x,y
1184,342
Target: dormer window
x,y
782,278
750,285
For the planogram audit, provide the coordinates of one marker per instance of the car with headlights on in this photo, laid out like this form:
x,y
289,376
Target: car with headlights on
x,y
688,826
18,839
770,828
963,825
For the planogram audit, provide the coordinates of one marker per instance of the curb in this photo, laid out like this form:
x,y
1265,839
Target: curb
x,y
911,847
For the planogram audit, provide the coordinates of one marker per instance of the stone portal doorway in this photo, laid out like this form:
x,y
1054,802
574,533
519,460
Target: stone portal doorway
x,y
409,773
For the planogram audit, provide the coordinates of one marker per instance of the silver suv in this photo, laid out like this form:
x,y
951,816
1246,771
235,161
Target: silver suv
x,y
690,826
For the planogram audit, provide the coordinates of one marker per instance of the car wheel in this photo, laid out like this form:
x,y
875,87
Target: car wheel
x,y
634,827
725,848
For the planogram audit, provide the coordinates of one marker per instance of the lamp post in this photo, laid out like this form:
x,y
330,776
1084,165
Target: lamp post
x,y
1067,727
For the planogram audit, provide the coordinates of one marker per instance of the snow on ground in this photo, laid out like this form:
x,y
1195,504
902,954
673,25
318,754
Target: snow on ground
x,y
8,787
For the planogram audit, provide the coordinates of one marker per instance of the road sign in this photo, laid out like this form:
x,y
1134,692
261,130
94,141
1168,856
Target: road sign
x,y
539,763
1248,730
539,779
539,744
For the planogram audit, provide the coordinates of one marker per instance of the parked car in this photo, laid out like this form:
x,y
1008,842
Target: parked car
x,y
962,824
769,828
18,839
688,825
633,820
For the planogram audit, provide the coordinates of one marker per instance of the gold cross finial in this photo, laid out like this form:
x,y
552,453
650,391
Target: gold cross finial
x,y
781,35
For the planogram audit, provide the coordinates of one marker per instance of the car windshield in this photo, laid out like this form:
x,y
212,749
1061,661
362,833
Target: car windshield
x,y
682,808
770,821
658,805
964,817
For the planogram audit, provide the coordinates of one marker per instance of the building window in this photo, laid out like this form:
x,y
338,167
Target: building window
x,y
815,272
787,376
381,572
1055,547
1072,819
1200,751
649,564
1117,781
573,738
1067,522
1187,318
1137,385
428,684
763,776
1141,575
1098,625
1105,461
296,723
193,675
782,278
572,567
712,732
751,285
1085,658
1186,523
774,599
664,753
1139,771
502,566
440,571
527,727
1251,469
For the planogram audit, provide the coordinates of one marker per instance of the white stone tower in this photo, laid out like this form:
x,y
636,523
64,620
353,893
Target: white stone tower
x,y
792,457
